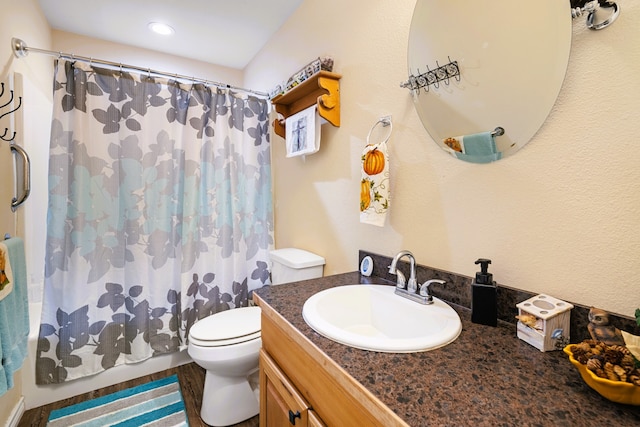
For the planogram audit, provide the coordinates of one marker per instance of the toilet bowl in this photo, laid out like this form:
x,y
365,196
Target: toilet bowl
x,y
227,344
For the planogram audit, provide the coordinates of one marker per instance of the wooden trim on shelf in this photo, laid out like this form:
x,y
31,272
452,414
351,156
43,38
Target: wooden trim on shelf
x,y
323,89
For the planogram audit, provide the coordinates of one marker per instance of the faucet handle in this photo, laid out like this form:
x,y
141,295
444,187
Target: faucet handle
x,y
424,288
401,281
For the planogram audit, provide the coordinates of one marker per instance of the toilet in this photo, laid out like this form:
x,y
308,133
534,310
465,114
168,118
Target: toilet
x,y
226,345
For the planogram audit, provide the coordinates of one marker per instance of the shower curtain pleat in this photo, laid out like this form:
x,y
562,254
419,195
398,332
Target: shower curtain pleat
x,y
159,214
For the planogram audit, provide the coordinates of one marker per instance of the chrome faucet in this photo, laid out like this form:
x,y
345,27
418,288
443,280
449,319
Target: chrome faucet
x,y
410,289
401,281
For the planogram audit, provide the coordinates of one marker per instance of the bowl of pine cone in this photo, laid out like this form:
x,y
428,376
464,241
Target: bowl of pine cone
x,y
611,370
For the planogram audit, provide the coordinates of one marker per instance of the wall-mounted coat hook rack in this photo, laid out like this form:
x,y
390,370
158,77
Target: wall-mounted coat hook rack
x,y
442,73
6,130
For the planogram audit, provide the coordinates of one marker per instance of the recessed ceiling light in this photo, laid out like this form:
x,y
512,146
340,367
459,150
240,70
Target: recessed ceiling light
x,y
160,28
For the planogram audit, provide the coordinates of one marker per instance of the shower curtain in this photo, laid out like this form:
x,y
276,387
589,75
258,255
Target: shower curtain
x,y
159,214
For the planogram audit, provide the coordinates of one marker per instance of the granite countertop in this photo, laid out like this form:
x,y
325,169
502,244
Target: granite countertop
x,y
486,377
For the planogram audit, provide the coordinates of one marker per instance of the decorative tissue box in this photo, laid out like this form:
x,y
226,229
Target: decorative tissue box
x,y
543,322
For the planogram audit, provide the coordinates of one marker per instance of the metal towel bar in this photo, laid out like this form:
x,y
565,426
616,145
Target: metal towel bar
x,y
26,177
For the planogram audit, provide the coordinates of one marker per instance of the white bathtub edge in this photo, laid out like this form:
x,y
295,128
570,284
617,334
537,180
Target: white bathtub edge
x,y
16,413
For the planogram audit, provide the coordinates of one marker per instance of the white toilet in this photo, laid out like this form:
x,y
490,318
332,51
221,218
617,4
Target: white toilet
x,y
227,343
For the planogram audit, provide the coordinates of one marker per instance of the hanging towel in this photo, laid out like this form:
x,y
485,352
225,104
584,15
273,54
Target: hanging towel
x,y
474,148
6,276
480,144
374,185
14,316
302,132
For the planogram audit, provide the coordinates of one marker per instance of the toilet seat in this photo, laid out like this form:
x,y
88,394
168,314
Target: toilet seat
x,y
227,328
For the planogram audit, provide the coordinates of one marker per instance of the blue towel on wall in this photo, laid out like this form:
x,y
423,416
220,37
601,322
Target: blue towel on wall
x,y
480,148
14,317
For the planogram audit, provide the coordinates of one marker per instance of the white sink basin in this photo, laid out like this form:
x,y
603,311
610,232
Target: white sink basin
x,y
373,317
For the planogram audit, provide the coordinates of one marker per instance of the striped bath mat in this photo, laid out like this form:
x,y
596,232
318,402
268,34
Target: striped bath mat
x,y
158,403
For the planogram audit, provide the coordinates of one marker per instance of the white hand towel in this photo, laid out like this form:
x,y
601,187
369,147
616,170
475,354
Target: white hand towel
x,y
374,186
302,132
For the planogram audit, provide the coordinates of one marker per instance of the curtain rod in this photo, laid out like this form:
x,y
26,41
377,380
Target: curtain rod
x,y
21,50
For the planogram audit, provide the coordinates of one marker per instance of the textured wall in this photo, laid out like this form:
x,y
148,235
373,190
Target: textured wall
x,y
561,216
20,19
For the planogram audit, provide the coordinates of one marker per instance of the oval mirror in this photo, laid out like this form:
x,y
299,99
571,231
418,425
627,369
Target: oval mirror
x,y
484,75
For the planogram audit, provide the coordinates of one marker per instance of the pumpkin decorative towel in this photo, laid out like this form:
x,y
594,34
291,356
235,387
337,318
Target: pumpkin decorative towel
x,y
374,185
6,276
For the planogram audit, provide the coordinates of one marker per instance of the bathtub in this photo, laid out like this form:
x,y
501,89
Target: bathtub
x,y
38,395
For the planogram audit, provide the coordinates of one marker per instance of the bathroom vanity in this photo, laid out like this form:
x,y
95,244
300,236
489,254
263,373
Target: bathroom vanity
x,y
300,383
486,377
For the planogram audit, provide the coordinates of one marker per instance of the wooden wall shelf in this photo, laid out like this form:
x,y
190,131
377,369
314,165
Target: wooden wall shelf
x,y
322,88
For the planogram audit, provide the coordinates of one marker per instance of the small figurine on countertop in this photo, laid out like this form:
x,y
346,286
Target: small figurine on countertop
x,y
530,320
601,330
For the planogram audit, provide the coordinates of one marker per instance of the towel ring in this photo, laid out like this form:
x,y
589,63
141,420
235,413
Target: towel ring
x,y
606,22
385,121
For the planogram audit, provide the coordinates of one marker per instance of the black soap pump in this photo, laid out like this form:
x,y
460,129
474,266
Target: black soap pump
x,y
484,296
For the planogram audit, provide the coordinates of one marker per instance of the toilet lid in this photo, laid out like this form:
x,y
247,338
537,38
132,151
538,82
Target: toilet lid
x,y
227,327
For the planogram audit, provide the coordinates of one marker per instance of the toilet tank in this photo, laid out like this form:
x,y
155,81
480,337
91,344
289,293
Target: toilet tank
x,y
292,265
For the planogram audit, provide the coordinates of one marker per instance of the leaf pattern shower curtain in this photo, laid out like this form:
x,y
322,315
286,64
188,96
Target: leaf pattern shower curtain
x,y
159,214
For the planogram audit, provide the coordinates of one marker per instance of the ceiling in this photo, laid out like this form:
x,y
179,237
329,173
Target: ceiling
x,y
222,32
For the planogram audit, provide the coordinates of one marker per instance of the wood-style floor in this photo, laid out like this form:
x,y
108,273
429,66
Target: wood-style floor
x,y
191,377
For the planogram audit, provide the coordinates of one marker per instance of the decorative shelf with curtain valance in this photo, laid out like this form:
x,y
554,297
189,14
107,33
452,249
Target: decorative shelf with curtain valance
x,y
323,89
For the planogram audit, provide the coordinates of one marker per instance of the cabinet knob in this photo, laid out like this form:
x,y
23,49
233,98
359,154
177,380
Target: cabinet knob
x,y
292,417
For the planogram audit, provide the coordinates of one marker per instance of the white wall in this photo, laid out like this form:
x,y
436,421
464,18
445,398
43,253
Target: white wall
x,y
145,58
22,19
561,216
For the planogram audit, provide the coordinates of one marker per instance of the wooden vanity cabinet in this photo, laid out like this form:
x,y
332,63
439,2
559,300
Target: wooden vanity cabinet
x,y
280,402
297,377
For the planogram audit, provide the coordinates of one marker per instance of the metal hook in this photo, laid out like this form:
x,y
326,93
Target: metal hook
x,y
9,102
6,130
2,137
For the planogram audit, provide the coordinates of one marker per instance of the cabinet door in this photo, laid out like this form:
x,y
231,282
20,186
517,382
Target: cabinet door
x,y
314,420
280,403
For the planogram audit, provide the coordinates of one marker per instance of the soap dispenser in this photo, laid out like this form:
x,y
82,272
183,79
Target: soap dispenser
x,y
484,296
